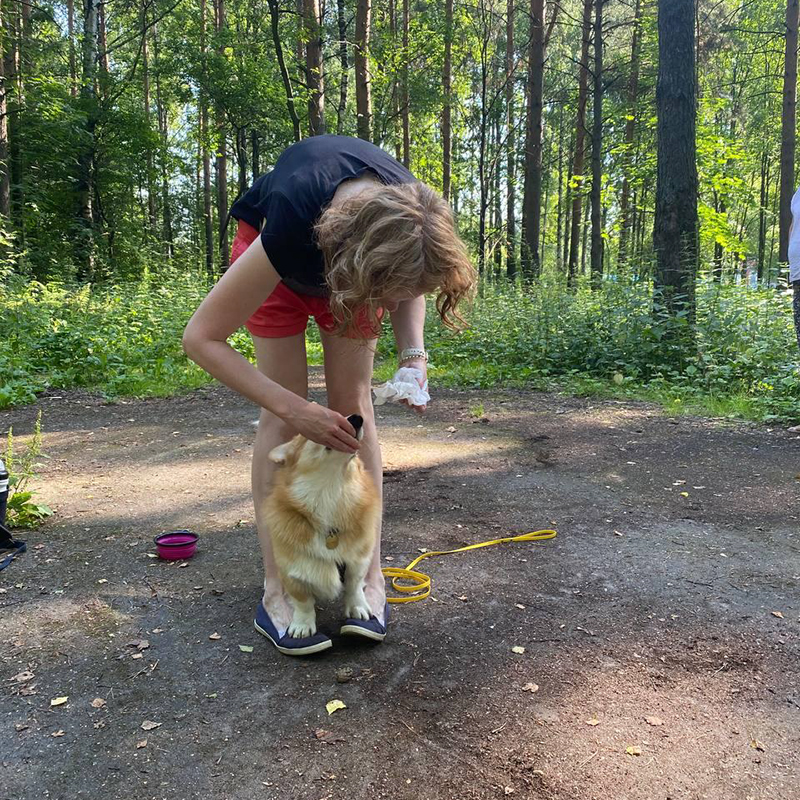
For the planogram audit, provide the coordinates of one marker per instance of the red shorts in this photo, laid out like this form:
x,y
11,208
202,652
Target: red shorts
x,y
286,312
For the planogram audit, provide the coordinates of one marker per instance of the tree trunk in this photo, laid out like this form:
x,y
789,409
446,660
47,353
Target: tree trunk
x,y
630,131
342,22
532,198
511,146
208,217
163,130
578,178
483,188
788,120
498,206
597,148
5,176
274,16
102,46
762,212
567,204
151,195
675,229
363,99
222,152
395,115
85,190
404,110
255,140
559,206
241,159
73,71
15,88
447,85
314,78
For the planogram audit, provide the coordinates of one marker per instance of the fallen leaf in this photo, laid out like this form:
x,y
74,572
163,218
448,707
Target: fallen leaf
x,y
59,701
778,614
508,789
215,636
98,702
140,745
593,722
517,649
463,597
245,648
344,675
334,705
139,644
633,750
21,726
519,605
655,721
57,733
451,429
137,655
530,687
149,725
757,745
328,737
181,566
22,677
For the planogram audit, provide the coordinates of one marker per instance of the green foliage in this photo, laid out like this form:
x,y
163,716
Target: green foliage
x,y
127,342
545,337
23,510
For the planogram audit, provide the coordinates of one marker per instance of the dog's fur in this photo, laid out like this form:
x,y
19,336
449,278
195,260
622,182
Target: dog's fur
x,y
318,490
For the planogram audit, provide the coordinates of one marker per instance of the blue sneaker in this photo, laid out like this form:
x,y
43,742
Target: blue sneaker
x,y
367,629
286,644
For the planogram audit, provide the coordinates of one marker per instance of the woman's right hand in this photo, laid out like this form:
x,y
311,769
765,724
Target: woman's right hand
x,y
323,426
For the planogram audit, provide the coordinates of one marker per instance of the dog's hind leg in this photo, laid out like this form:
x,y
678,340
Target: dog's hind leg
x,y
304,617
355,603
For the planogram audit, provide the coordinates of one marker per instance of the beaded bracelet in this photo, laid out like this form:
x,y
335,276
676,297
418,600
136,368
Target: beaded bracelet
x,y
412,353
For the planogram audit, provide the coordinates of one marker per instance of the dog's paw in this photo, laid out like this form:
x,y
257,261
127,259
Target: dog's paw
x,y
357,611
300,630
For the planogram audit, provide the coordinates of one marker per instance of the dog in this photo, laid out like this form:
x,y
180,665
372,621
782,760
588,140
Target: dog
x,y
322,514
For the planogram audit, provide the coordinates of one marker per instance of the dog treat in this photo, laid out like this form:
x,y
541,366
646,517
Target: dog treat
x,y
403,386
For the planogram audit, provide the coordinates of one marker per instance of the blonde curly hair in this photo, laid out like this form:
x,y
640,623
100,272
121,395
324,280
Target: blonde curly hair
x,y
390,242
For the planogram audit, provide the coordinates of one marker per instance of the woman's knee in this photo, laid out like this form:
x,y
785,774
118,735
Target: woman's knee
x,y
353,401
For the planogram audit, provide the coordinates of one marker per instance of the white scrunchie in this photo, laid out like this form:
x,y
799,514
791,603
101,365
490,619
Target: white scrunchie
x,y
403,386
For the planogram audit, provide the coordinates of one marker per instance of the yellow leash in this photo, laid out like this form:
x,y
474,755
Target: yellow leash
x,y
421,583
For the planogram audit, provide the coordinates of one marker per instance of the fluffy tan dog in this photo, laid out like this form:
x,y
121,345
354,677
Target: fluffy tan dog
x,y
322,513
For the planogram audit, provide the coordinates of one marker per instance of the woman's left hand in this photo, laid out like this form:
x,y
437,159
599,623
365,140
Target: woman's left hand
x,y
422,366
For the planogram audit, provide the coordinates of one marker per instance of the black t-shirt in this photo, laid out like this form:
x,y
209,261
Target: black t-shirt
x,y
288,201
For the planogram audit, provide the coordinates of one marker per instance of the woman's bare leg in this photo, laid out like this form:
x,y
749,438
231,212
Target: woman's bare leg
x,y
284,361
348,377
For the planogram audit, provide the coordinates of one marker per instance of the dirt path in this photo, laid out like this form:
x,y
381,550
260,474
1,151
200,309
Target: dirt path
x,y
650,625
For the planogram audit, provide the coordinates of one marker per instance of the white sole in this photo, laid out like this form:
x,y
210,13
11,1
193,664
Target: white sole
x,y
296,651
357,630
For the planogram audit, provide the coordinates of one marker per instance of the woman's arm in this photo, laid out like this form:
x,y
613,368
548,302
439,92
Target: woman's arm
x,y
408,323
240,291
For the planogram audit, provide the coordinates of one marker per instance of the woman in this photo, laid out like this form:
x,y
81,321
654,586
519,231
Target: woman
x,y
346,233
794,261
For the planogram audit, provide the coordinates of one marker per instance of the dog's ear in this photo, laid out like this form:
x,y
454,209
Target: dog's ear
x,y
279,454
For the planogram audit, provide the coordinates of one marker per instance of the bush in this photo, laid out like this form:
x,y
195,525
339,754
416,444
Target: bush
x,y
126,341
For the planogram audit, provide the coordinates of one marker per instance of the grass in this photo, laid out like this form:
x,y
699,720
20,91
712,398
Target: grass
x,y
124,341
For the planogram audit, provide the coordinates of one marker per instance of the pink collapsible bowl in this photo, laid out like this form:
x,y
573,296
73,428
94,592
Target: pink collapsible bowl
x,y
176,545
